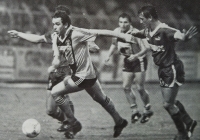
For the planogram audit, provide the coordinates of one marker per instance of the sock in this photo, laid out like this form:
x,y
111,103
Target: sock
x,y
71,106
134,108
110,108
178,122
64,105
184,115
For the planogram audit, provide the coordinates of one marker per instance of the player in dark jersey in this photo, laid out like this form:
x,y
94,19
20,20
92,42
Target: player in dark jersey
x,y
161,39
133,70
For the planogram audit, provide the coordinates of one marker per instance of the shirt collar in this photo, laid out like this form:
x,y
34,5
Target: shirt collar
x,y
161,25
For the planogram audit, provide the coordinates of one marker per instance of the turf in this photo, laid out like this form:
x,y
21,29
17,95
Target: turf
x,y
18,104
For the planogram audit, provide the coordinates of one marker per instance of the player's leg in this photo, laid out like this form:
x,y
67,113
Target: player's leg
x,y
65,87
52,109
139,81
169,96
127,78
189,122
98,95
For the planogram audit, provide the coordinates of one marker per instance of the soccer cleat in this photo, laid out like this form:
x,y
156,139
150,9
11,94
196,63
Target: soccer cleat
x,y
118,128
146,116
71,133
61,128
181,137
135,117
190,128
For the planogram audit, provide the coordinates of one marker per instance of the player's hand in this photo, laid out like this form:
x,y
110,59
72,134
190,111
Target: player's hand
x,y
13,33
132,57
51,69
106,61
190,33
56,61
93,48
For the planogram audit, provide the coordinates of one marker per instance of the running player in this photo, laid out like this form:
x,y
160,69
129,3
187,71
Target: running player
x,y
56,75
162,40
74,48
73,45
133,70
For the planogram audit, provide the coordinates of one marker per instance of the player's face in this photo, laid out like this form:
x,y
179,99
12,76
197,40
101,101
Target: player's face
x,y
144,21
58,26
124,24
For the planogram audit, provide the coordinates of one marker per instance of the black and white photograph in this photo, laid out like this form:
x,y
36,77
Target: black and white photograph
x,y
99,69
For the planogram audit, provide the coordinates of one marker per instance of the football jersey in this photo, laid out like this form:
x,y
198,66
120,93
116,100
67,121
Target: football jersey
x,y
128,48
76,52
162,44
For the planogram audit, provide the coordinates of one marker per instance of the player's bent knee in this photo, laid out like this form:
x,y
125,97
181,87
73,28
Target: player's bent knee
x,y
50,113
127,89
171,108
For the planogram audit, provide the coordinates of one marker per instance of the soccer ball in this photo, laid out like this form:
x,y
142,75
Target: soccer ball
x,y
31,128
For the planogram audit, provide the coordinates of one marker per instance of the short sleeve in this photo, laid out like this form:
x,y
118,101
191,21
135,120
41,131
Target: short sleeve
x,y
48,37
170,34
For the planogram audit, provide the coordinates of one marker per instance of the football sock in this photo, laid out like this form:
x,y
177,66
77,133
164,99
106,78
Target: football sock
x,y
144,96
71,106
178,122
134,108
64,105
184,115
110,108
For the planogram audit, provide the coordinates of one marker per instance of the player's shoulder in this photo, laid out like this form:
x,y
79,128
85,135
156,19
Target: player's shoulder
x,y
135,30
118,29
166,28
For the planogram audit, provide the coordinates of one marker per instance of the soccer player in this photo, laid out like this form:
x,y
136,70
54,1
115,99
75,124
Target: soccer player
x,y
161,39
73,46
134,69
56,75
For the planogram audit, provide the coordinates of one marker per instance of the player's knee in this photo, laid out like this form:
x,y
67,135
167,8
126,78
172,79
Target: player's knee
x,y
98,99
170,107
177,102
50,112
127,89
167,105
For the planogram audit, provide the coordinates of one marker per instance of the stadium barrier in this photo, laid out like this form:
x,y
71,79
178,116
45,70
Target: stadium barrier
x,y
30,64
24,64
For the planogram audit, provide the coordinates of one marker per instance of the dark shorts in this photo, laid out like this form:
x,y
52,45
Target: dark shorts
x,y
57,77
83,83
135,66
173,74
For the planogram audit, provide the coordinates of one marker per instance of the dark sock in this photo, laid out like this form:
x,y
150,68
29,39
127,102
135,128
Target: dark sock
x,y
110,108
64,105
184,115
178,122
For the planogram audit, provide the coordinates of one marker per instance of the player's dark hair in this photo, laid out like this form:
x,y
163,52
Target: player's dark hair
x,y
125,15
64,17
149,11
63,8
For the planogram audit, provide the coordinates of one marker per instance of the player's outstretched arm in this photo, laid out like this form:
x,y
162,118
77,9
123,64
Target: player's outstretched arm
x,y
126,37
186,35
144,46
29,37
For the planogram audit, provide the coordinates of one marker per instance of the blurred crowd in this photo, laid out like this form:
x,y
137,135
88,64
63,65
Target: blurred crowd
x,y
34,16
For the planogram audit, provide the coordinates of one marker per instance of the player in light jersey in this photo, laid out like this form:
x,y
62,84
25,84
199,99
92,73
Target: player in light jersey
x,y
161,39
56,75
133,70
73,45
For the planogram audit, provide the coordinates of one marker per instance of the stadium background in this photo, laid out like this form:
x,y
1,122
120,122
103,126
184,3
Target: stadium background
x,y
27,62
